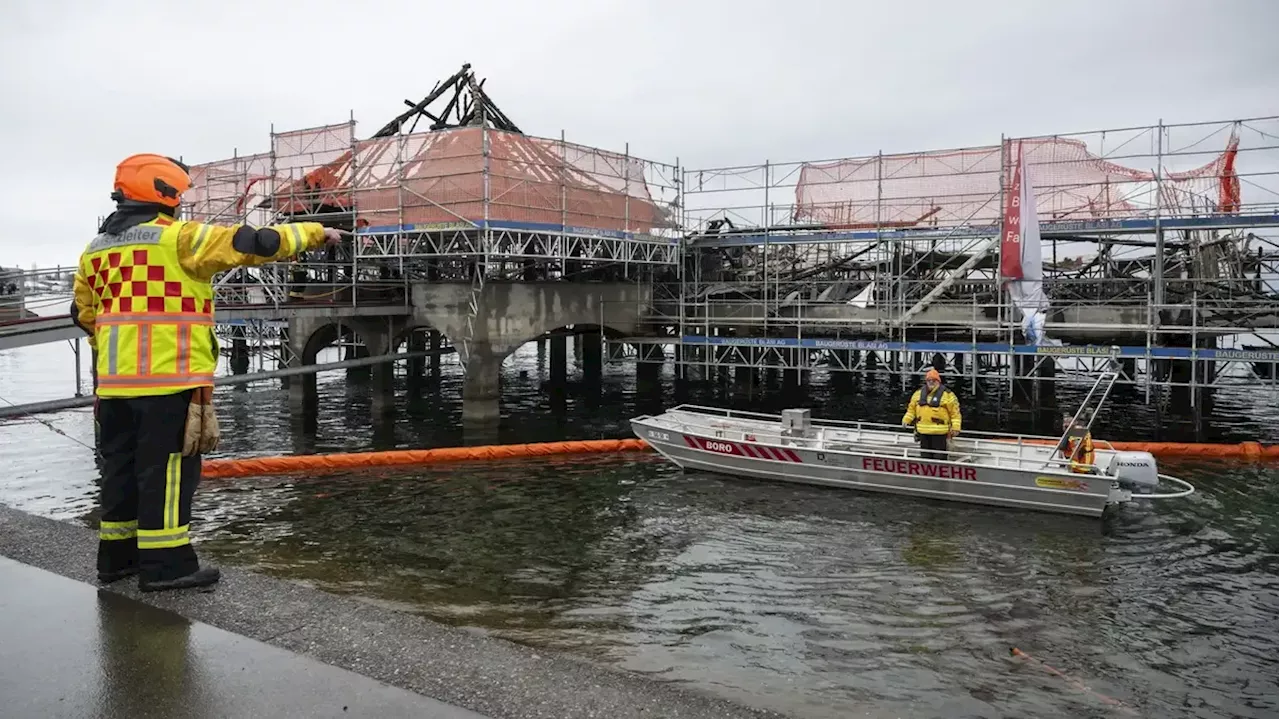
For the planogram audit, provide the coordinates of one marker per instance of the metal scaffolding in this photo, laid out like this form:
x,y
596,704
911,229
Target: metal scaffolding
x,y
895,258
471,199
1160,242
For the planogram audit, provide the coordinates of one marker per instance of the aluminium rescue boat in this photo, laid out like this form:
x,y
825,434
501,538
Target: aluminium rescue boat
x,y
1008,470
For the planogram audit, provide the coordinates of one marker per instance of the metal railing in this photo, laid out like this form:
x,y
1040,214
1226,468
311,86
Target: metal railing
x,y
312,283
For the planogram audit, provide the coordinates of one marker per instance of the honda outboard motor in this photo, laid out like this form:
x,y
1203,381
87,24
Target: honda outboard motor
x,y
1135,471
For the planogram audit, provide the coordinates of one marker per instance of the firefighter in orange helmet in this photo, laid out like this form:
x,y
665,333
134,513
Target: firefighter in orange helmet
x,y
144,294
935,413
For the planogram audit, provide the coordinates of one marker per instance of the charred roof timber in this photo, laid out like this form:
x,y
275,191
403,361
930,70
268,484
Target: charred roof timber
x,y
469,105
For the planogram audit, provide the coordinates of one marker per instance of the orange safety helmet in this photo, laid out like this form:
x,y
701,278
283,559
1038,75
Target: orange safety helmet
x,y
933,374
154,179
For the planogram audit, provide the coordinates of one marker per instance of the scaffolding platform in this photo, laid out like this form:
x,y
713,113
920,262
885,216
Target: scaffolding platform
x,y
1150,367
995,348
504,239
1048,230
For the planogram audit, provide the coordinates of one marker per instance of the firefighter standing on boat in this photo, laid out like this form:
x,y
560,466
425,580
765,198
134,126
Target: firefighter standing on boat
x,y
935,412
1078,448
144,295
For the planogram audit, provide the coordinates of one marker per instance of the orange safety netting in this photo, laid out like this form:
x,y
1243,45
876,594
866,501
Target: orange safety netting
x,y
219,190
437,178
321,463
950,187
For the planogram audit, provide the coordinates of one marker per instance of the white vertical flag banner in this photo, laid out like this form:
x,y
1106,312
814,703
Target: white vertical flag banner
x,y
1027,292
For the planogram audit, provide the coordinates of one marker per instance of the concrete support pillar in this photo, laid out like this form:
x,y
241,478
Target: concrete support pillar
x,y
649,364
417,368
302,432
558,362
239,352
481,387
383,374
302,389
436,340
287,350
592,357
383,387
384,429
303,399
558,400
359,351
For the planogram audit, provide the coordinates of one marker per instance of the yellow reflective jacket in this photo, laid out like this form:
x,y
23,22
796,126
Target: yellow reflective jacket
x,y
938,413
1083,462
146,298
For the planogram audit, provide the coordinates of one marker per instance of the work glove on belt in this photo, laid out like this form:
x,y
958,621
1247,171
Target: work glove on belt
x,y
201,435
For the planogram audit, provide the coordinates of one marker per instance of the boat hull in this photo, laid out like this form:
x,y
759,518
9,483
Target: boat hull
x,y
902,475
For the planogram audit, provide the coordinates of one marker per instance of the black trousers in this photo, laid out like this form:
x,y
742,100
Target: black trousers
x,y
147,487
933,446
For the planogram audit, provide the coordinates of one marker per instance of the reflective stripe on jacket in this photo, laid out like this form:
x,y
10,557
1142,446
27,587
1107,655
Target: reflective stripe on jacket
x,y
154,323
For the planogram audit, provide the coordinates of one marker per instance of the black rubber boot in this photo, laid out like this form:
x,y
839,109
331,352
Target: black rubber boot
x,y
117,575
203,577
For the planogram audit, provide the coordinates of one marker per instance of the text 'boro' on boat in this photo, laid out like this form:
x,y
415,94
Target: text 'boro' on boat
x,y
1007,470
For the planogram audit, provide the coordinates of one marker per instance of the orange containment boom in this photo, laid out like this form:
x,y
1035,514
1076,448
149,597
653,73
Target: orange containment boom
x,y
323,463
1244,450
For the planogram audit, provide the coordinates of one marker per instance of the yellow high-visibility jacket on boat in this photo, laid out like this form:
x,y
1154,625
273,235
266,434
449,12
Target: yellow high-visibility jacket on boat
x,y
1083,462
145,296
936,412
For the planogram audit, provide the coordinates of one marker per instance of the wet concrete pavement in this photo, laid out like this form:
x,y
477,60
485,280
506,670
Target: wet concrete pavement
x,y
256,646
70,650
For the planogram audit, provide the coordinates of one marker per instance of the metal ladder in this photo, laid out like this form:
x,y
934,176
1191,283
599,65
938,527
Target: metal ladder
x,y
473,310
1090,406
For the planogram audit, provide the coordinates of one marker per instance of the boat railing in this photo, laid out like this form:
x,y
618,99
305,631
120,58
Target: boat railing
x,y
902,447
1004,437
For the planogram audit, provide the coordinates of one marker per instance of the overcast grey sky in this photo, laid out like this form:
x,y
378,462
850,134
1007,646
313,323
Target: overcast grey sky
x,y
85,83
